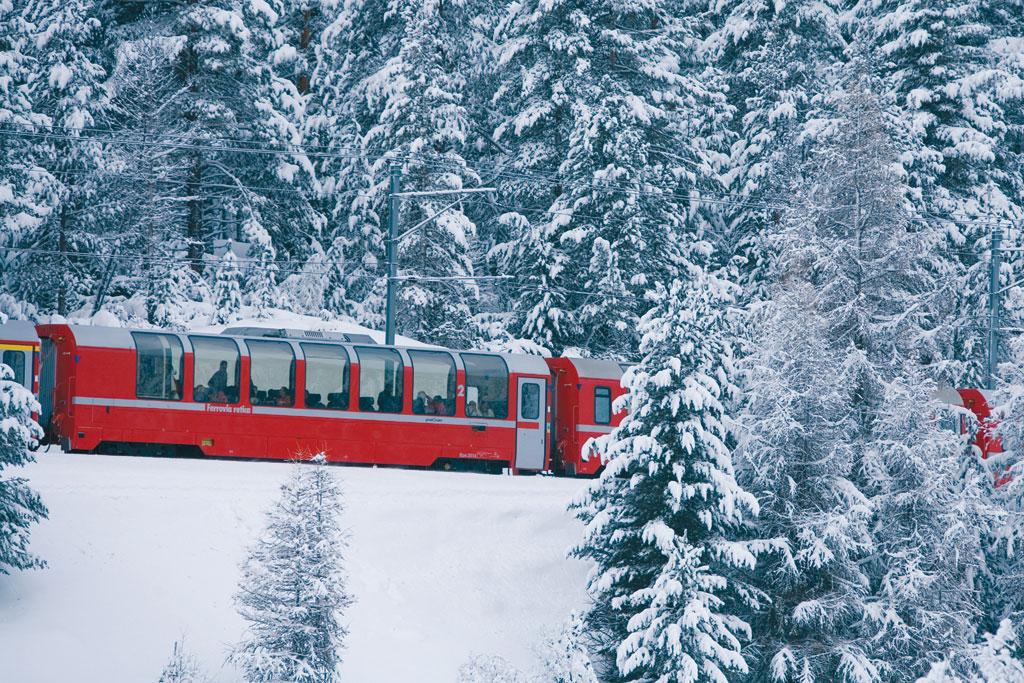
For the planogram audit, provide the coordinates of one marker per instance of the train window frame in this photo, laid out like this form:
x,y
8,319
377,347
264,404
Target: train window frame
x,y
450,399
19,375
346,378
238,367
275,400
176,341
399,376
467,360
602,393
530,391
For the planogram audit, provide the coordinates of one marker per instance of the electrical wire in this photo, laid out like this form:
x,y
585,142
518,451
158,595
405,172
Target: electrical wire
x,y
496,173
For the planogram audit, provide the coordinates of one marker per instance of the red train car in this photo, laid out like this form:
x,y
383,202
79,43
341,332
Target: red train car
x,y
985,438
19,350
283,393
585,390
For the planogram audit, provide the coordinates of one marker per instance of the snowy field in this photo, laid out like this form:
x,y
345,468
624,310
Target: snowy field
x,y
144,551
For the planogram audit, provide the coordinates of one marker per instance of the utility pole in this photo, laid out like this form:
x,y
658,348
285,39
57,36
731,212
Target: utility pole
x,y
394,238
393,208
993,311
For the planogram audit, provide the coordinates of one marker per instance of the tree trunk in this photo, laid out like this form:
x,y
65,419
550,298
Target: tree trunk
x,y
194,224
62,248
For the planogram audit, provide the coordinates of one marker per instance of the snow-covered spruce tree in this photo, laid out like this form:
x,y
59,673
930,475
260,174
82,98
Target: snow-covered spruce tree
x,y
950,67
227,289
182,667
772,54
798,456
305,290
22,183
356,256
849,237
292,592
65,41
171,291
663,520
261,280
930,515
994,660
490,669
404,103
227,128
20,506
620,124
566,658
1003,575
352,191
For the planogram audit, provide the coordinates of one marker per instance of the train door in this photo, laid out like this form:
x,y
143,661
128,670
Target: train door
x,y
47,381
530,424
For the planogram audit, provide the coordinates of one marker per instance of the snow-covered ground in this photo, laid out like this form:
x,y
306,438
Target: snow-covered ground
x,y
143,551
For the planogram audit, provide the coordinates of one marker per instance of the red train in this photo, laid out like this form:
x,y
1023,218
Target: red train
x,y
985,437
270,393
263,393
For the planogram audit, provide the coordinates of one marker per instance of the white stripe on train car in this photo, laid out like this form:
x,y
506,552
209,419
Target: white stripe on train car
x,y
292,412
388,417
136,403
602,429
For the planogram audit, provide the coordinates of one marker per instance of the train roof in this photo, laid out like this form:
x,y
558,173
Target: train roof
x,y
121,338
19,330
596,368
301,335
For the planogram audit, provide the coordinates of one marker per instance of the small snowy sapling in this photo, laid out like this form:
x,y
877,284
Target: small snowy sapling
x,y
292,592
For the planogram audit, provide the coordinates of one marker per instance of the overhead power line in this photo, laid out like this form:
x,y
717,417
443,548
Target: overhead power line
x,y
490,171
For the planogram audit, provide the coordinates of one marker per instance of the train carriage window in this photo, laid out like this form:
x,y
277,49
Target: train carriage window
x,y
529,403
327,376
217,369
271,370
15,360
433,383
381,380
486,386
159,366
602,405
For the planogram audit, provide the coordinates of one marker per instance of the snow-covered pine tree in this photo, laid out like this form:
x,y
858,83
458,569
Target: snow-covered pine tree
x,y
930,516
182,667
227,289
994,660
797,455
1002,580
292,592
20,506
772,55
351,189
663,520
490,669
305,290
65,42
170,292
22,183
404,103
356,256
224,145
619,126
948,64
850,238
566,658
261,280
